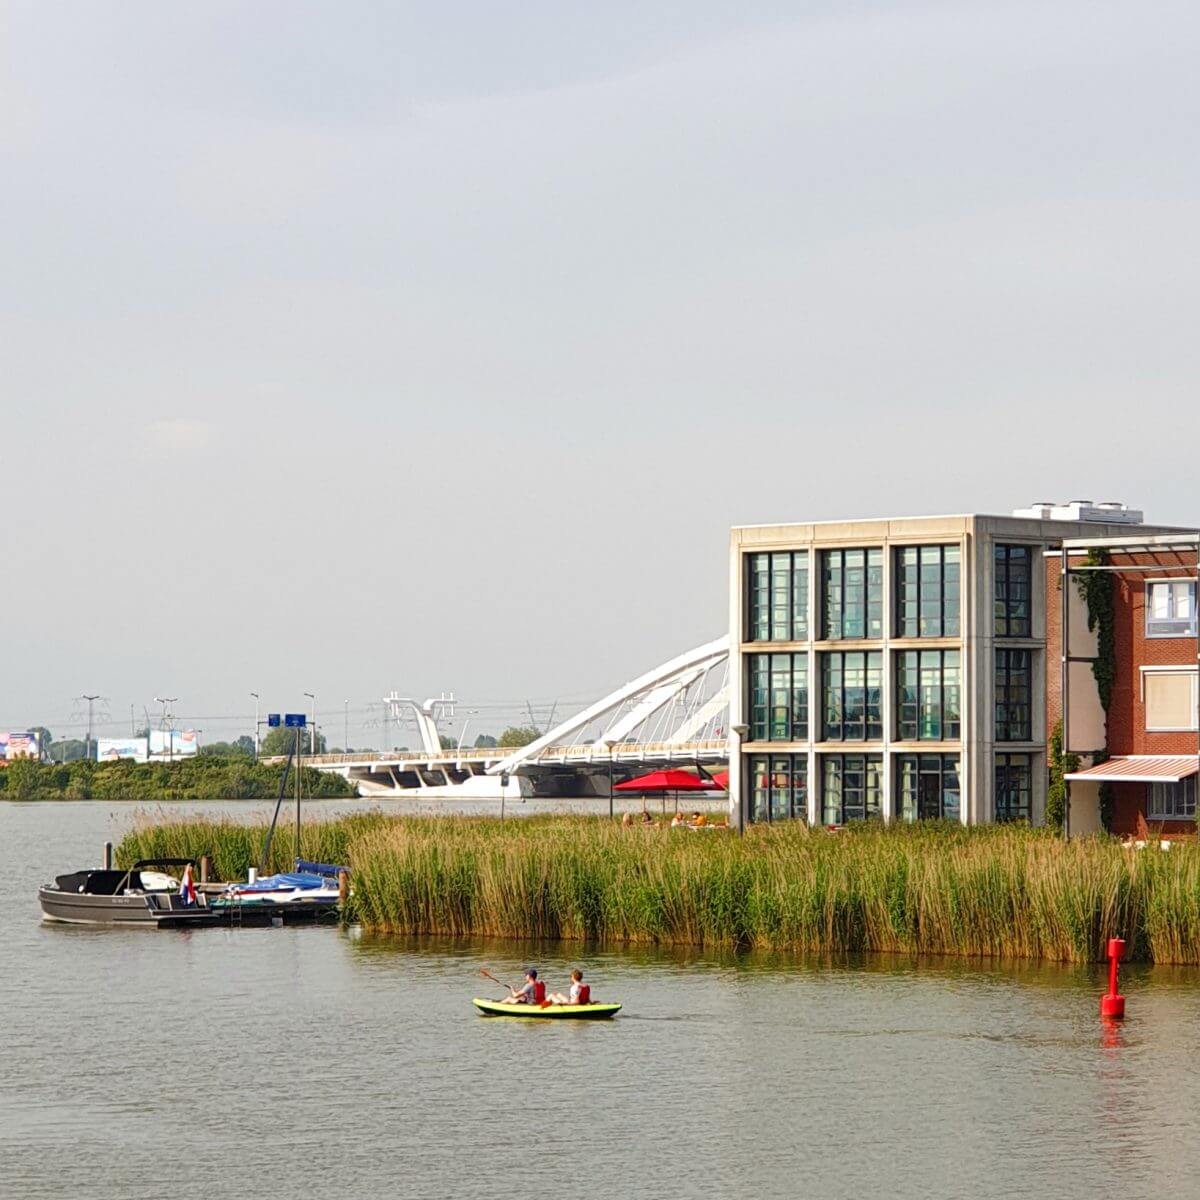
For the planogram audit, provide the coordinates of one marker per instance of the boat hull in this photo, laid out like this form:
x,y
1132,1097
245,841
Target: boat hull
x,y
148,912
550,1012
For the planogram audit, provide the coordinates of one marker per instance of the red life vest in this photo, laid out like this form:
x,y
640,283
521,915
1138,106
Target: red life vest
x,y
585,994
539,992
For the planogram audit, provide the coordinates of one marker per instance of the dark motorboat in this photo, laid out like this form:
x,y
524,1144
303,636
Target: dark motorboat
x,y
144,895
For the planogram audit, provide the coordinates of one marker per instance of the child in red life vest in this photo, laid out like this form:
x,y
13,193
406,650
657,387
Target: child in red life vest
x,y
580,993
533,991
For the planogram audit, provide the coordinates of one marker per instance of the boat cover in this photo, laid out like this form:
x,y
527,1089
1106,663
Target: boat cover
x,y
287,881
315,868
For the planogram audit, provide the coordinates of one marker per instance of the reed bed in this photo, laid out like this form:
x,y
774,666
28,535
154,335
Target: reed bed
x,y
990,892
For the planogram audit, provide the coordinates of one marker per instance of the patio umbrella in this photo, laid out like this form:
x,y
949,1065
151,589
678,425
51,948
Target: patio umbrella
x,y
662,782
721,779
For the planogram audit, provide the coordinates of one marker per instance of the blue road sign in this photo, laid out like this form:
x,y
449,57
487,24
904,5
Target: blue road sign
x,y
294,720
274,720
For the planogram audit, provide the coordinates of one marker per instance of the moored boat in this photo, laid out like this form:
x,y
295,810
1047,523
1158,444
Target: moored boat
x,y
553,1012
144,895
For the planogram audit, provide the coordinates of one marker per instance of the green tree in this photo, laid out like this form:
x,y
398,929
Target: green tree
x,y
281,741
485,741
242,747
518,735
22,777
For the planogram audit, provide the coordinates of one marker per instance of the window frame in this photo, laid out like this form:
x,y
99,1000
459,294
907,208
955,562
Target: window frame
x,y
872,782
796,766
799,699
1002,729
949,619
1004,762
1180,798
873,616
763,601
947,765
870,658
900,669
1007,575
1181,669
1176,622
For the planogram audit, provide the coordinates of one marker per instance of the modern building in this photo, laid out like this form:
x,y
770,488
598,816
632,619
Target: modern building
x,y
1138,744
896,668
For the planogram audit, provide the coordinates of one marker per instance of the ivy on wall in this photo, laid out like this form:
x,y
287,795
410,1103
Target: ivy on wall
x,y
1060,764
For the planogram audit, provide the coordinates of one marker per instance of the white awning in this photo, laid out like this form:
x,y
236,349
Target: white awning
x,y
1141,768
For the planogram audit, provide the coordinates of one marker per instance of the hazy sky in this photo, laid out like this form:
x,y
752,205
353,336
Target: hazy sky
x,y
358,346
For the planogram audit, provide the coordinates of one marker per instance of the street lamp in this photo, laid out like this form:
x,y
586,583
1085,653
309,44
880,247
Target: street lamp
x,y
610,743
346,728
255,695
312,742
168,729
735,764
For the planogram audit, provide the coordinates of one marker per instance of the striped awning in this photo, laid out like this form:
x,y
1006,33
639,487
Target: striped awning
x,y
1141,768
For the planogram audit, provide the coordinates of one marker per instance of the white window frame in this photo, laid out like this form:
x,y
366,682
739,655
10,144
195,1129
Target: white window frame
x,y
1155,791
1169,670
1190,629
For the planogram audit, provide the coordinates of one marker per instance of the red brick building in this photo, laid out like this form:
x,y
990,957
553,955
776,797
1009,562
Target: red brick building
x,y
1144,748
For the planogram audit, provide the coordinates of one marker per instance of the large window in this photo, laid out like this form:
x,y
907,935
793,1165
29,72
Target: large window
x,y
1014,690
927,787
852,594
778,596
1170,699
927,591
778,697
852,685
778,787
1012,590
852,787
1172,801
1014,795
1171,608
928,687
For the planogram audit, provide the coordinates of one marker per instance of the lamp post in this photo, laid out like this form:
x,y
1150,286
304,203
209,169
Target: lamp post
x,y
735,764
611,743
255,695
168,729
312,741
91,700
346,727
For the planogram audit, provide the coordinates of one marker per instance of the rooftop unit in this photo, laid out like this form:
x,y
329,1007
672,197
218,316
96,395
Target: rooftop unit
x,y
1107,512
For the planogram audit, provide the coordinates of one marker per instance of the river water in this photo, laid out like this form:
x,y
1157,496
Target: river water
x,y
279,1062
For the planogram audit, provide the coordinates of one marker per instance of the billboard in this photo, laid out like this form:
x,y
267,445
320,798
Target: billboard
x,y
110,749
174,743
19,745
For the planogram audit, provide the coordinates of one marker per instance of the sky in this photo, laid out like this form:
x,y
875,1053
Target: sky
x,y
350,348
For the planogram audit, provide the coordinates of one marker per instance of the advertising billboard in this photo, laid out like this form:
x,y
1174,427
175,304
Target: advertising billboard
x,y
175,743
19,745
110,749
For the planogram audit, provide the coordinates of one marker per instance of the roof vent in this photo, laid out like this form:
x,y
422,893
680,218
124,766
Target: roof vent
x,y
1107,512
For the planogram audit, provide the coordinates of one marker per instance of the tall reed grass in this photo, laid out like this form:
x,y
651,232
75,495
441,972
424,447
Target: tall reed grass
x,y
983,892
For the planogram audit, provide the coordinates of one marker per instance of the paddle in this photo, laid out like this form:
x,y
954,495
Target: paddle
x,y
488,975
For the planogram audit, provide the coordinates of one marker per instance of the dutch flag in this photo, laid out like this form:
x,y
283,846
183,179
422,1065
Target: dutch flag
x,y
187,889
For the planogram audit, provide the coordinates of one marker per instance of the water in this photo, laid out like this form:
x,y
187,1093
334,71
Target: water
x,y
275,1062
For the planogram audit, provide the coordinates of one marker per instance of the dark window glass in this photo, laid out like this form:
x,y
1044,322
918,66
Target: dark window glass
x,y
1014,688
851,787
777,600
1172,801
927,787
852,682
928,695
778,697
927,591
1014,784
851,594
778,787
1012,590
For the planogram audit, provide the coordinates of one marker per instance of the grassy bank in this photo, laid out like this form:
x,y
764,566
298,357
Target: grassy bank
x,y
988,892
201,778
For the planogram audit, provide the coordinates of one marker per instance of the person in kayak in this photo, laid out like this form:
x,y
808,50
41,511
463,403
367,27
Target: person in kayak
x,y
579,993
533,991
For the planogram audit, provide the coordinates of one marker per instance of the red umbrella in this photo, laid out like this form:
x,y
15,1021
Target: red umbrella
x,y
665,781
721,779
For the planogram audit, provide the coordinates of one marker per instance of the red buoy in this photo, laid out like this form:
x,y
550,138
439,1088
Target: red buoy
x,y
1112,1004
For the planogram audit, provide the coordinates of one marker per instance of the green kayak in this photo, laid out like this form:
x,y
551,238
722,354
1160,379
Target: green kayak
x,y
553,1012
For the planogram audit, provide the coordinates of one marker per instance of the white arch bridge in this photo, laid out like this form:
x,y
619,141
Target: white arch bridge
x,y
675,715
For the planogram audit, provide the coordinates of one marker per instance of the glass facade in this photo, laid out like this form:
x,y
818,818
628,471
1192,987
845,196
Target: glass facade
x,y
928,695
851,787
851,594
1013,586
778,787
928,589
927,787
778,697
1014,690
777,603
852,695
1014,788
